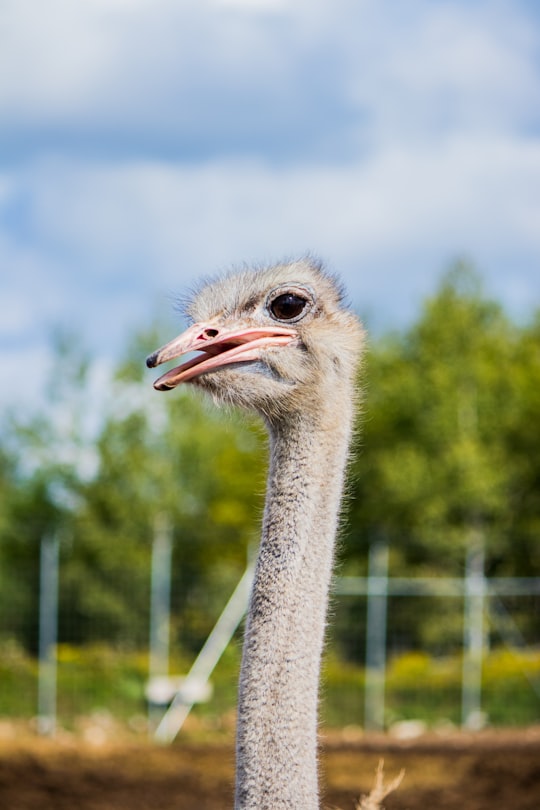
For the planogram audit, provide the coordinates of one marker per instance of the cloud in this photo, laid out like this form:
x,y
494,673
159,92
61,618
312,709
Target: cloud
x,y
109,234
300,81
146,142
450,67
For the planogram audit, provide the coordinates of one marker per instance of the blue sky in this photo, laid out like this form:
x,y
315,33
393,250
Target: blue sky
x,y
144,143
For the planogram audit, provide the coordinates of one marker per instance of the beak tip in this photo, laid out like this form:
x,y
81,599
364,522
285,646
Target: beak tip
x,y
151,360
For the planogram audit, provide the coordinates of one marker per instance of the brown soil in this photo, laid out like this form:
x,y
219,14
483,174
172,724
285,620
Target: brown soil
x,y
457,772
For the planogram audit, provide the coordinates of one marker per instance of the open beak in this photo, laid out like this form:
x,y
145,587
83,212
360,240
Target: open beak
x,y
219,347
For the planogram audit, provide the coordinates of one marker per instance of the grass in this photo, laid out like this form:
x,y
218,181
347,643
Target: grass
x,y
101,678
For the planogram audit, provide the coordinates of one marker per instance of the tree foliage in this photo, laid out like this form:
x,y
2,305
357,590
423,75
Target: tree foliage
x,y
436,460
449,445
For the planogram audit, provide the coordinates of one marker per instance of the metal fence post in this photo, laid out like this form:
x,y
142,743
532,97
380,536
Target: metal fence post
x,y
160,605
48,632
473,636
375,673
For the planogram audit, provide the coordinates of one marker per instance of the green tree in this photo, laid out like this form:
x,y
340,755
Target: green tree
x,y
432,460
521,440
162,455
446,455
46,452
449,447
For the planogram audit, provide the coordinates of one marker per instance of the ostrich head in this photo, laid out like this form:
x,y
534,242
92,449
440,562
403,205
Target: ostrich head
x,y
275,340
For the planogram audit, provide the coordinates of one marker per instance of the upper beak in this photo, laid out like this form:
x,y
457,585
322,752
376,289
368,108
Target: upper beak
x,y
220,347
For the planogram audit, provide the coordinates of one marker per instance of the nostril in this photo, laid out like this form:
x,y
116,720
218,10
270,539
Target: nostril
x,y
210,333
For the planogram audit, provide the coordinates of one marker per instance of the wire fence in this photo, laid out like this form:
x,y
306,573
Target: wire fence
x,y
489,670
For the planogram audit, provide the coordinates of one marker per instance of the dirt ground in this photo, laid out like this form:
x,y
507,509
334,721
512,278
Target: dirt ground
x,y
455,772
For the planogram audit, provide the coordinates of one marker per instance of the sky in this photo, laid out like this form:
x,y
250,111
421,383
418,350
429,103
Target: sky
x,y
147,143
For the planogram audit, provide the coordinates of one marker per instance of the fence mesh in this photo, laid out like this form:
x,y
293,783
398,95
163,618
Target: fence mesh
x,y
422,675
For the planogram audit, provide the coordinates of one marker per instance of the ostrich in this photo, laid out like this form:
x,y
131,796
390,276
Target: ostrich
x,y
280,341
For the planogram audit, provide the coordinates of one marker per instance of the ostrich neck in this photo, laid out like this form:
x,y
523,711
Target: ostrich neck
x,y
277,726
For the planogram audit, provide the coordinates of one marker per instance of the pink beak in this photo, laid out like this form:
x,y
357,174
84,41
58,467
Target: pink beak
x,y
220,347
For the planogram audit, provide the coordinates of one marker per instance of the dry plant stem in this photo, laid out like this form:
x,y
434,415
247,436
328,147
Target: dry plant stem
x,y
380,791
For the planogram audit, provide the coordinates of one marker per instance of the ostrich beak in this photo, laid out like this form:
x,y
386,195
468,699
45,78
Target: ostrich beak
x,y
219,347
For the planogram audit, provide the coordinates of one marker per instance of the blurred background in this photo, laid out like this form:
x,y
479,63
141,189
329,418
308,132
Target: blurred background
x,y
144,145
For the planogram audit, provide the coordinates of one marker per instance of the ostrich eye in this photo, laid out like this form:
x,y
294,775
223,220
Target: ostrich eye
x,y
287,306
